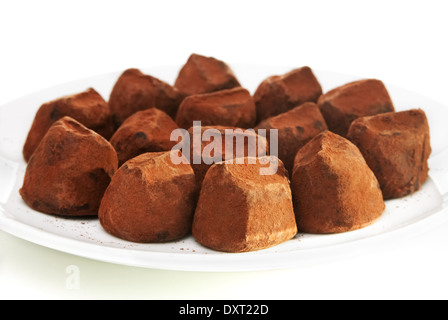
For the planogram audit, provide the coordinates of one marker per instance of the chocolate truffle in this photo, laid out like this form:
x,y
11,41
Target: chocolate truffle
x,y
333,188
135,91
232,107
238,144
150,200
69,171
344,104
241,210
278,94
295,128
145,131
396,146
87,107
202,74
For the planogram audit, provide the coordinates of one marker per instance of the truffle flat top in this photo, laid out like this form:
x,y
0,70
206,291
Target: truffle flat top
x,y
248,172
82,100
153,84
70,125
356,96
135,91
295,116
300,81
249,139
151,120
155,166
409,120
327,145
73,132
297,82
226,97
205,74
138,74
212,68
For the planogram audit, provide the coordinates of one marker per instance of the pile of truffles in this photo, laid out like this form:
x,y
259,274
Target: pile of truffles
x,y
340,155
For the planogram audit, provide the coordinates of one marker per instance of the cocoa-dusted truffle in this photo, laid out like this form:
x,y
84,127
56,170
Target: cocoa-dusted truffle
x,y
69,171
295,128
240,210
334,189
87,107
202,74
145,131
234,143
135,91
396,146
278,94
232,107
346,103
150,200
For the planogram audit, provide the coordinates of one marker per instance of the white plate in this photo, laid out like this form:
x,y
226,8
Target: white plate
x,y
86,238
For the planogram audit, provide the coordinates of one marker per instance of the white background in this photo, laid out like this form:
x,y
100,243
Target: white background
x,y
46,43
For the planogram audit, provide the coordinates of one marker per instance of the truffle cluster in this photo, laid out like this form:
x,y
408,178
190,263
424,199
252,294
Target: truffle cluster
x,y
339,155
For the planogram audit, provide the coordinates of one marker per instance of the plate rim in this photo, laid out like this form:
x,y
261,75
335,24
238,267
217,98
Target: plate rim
x,y
219,262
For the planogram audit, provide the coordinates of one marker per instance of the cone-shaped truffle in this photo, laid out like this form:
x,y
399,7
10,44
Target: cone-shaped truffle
x,y
396,146
295,128
334,190
145,131
344,104
240,210
232,107
278,94
150,200
87,107
202,74
135,91
233,143
69,171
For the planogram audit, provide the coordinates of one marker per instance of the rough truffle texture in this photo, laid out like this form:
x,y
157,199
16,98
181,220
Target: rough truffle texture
x,y
202,74
69,171
396,146
232,107
344,104
334,189
145,131
240,210
87,107
278,94
241,143
295,129
135,91
150,200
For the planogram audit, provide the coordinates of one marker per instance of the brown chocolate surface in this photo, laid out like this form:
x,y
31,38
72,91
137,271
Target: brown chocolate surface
x,y
396,146
230,150
346,103
279,94
240,210
150,200
69,171
135,91
231,107
295,129
341,155
202,74
333,188
87,107
145,131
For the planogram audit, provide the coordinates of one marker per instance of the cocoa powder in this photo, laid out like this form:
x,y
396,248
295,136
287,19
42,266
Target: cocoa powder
x,y
341,154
